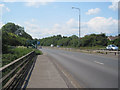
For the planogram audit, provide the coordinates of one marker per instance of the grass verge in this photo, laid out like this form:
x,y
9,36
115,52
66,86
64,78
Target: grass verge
x,y
38,52
15,53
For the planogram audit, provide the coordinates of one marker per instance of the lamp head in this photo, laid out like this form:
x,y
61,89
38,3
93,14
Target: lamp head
x,y
72,7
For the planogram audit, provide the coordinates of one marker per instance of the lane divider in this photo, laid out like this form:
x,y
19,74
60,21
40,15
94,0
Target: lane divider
x,y
99,62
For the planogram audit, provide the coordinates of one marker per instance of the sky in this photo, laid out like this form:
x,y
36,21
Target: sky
x,y
44,19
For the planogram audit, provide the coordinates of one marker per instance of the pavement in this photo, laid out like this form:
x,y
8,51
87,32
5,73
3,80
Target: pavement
x,y
89,70
45,75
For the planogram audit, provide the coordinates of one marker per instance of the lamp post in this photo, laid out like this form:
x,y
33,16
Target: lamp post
x,y
79,18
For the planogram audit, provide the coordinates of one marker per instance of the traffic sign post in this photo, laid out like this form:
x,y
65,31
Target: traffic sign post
x,y
32,43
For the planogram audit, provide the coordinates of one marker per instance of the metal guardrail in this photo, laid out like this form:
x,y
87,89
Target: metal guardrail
x,y
15,72
102,51
116,52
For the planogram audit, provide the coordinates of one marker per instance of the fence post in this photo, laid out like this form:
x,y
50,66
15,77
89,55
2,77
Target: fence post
x,y
106,52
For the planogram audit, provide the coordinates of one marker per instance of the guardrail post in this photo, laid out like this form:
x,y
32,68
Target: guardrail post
x,y
118,52
106,52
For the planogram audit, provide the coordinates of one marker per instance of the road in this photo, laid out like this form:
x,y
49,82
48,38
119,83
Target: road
x,y
91,71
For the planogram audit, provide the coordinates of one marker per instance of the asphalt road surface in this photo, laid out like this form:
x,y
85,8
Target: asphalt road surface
x,y
91,71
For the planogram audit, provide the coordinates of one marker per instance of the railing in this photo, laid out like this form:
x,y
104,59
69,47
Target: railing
x,y
117,52
14,73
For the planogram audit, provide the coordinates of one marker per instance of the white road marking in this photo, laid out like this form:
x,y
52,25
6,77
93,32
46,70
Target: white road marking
x,y
99,62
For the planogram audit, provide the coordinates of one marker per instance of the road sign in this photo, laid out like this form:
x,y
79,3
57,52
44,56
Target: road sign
x,y
38,43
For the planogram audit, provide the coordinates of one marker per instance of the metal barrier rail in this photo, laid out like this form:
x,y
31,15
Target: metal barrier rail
x,y
109,51
18,70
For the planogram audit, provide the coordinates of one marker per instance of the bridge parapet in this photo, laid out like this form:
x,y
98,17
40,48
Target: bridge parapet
x,y
14,73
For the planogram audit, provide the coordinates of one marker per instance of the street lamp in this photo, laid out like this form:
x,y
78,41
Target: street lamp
x,y
79,18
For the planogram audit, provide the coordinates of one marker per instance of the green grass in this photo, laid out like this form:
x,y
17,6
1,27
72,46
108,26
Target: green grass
x,y
15,53
38,52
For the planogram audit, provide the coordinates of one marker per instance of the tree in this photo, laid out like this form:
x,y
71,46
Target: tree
x,y
117,42
11,36
9,27
16,29
73,41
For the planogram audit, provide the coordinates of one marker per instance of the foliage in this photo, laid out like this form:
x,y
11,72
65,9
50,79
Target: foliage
x,y
9,27
94,40
10,39
16,29
38,52
73,41
14,53
13,35
14,39
50,40
117,42
17,52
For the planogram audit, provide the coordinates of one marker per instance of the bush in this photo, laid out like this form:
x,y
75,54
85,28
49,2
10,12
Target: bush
x,y
38,52
14,53
17,52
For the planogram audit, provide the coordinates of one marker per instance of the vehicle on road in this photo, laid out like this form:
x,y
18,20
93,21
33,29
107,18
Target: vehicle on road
x,y
112,47
58,46
52,45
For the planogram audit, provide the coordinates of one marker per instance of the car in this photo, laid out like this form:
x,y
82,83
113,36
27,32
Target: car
x,y
112,47
52,45
58,46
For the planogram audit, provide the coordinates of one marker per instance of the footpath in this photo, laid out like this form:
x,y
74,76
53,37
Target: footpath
x,y
45,75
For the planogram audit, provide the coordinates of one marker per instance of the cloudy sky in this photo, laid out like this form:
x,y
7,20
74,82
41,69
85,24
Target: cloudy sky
x,y
43,19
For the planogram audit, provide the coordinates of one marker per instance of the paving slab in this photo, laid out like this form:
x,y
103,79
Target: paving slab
x,y
45,75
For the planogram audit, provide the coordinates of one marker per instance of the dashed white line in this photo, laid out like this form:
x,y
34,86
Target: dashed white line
x,y
99,62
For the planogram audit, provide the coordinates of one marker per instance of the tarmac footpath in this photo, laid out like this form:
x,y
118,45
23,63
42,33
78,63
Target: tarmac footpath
x,y
45,75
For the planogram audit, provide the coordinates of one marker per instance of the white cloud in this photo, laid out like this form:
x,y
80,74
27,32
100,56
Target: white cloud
x,y
28,0
31,3
100,24
7,9
38,32
37,3
114,5
70,27
4,8
72,22
57,0
9,0
2,5
93,11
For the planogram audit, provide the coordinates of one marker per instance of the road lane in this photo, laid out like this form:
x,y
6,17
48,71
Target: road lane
x,y
91,71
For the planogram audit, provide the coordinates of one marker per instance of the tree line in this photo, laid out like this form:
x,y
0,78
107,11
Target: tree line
x,y
73,41
15,35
